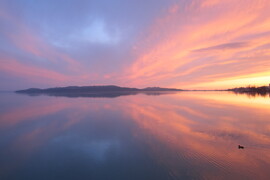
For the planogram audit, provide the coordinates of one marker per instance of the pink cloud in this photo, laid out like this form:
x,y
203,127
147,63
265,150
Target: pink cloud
x,y
31,42
12,66
203,39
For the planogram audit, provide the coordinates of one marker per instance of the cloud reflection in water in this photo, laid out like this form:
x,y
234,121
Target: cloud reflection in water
x,y
171,136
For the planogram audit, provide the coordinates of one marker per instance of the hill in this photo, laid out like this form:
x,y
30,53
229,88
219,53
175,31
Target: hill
x,y
91,89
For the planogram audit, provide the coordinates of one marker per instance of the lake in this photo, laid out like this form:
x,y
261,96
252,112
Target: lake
x,y
185,135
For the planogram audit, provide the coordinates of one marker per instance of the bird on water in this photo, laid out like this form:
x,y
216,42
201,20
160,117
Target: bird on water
x,y
240,147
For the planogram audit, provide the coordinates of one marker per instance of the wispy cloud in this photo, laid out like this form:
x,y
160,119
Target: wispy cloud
x,y
204,42
171,43
235,45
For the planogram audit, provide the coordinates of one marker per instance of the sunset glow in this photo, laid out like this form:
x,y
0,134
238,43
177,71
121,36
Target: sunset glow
x,y
189,44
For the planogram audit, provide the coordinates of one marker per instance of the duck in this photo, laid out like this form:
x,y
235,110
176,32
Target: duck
x,y
240,147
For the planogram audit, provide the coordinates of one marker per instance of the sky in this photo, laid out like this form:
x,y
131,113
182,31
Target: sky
x,y
188,44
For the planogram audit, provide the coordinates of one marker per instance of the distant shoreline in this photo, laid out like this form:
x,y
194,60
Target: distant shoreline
x,y
261,89
109,89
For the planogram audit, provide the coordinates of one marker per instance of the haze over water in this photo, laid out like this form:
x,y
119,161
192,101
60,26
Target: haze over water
x,y
186,135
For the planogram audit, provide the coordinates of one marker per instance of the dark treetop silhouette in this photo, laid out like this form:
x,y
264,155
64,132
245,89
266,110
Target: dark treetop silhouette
x,y
252,90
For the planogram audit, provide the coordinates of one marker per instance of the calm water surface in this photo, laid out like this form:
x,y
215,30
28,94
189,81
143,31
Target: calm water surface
x,y
188,135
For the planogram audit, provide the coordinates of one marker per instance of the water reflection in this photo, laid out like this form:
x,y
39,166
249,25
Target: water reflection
x,y
253,94
189,135
112,94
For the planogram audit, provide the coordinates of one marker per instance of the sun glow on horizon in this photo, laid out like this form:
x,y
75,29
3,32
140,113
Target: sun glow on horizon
x,y
235,82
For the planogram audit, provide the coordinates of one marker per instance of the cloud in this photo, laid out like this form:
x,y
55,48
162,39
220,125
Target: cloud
x,y
85,40
202,43
13,67
226,46
97,32
153,43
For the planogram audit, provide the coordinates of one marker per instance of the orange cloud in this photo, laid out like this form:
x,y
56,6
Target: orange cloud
x,y
204,42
